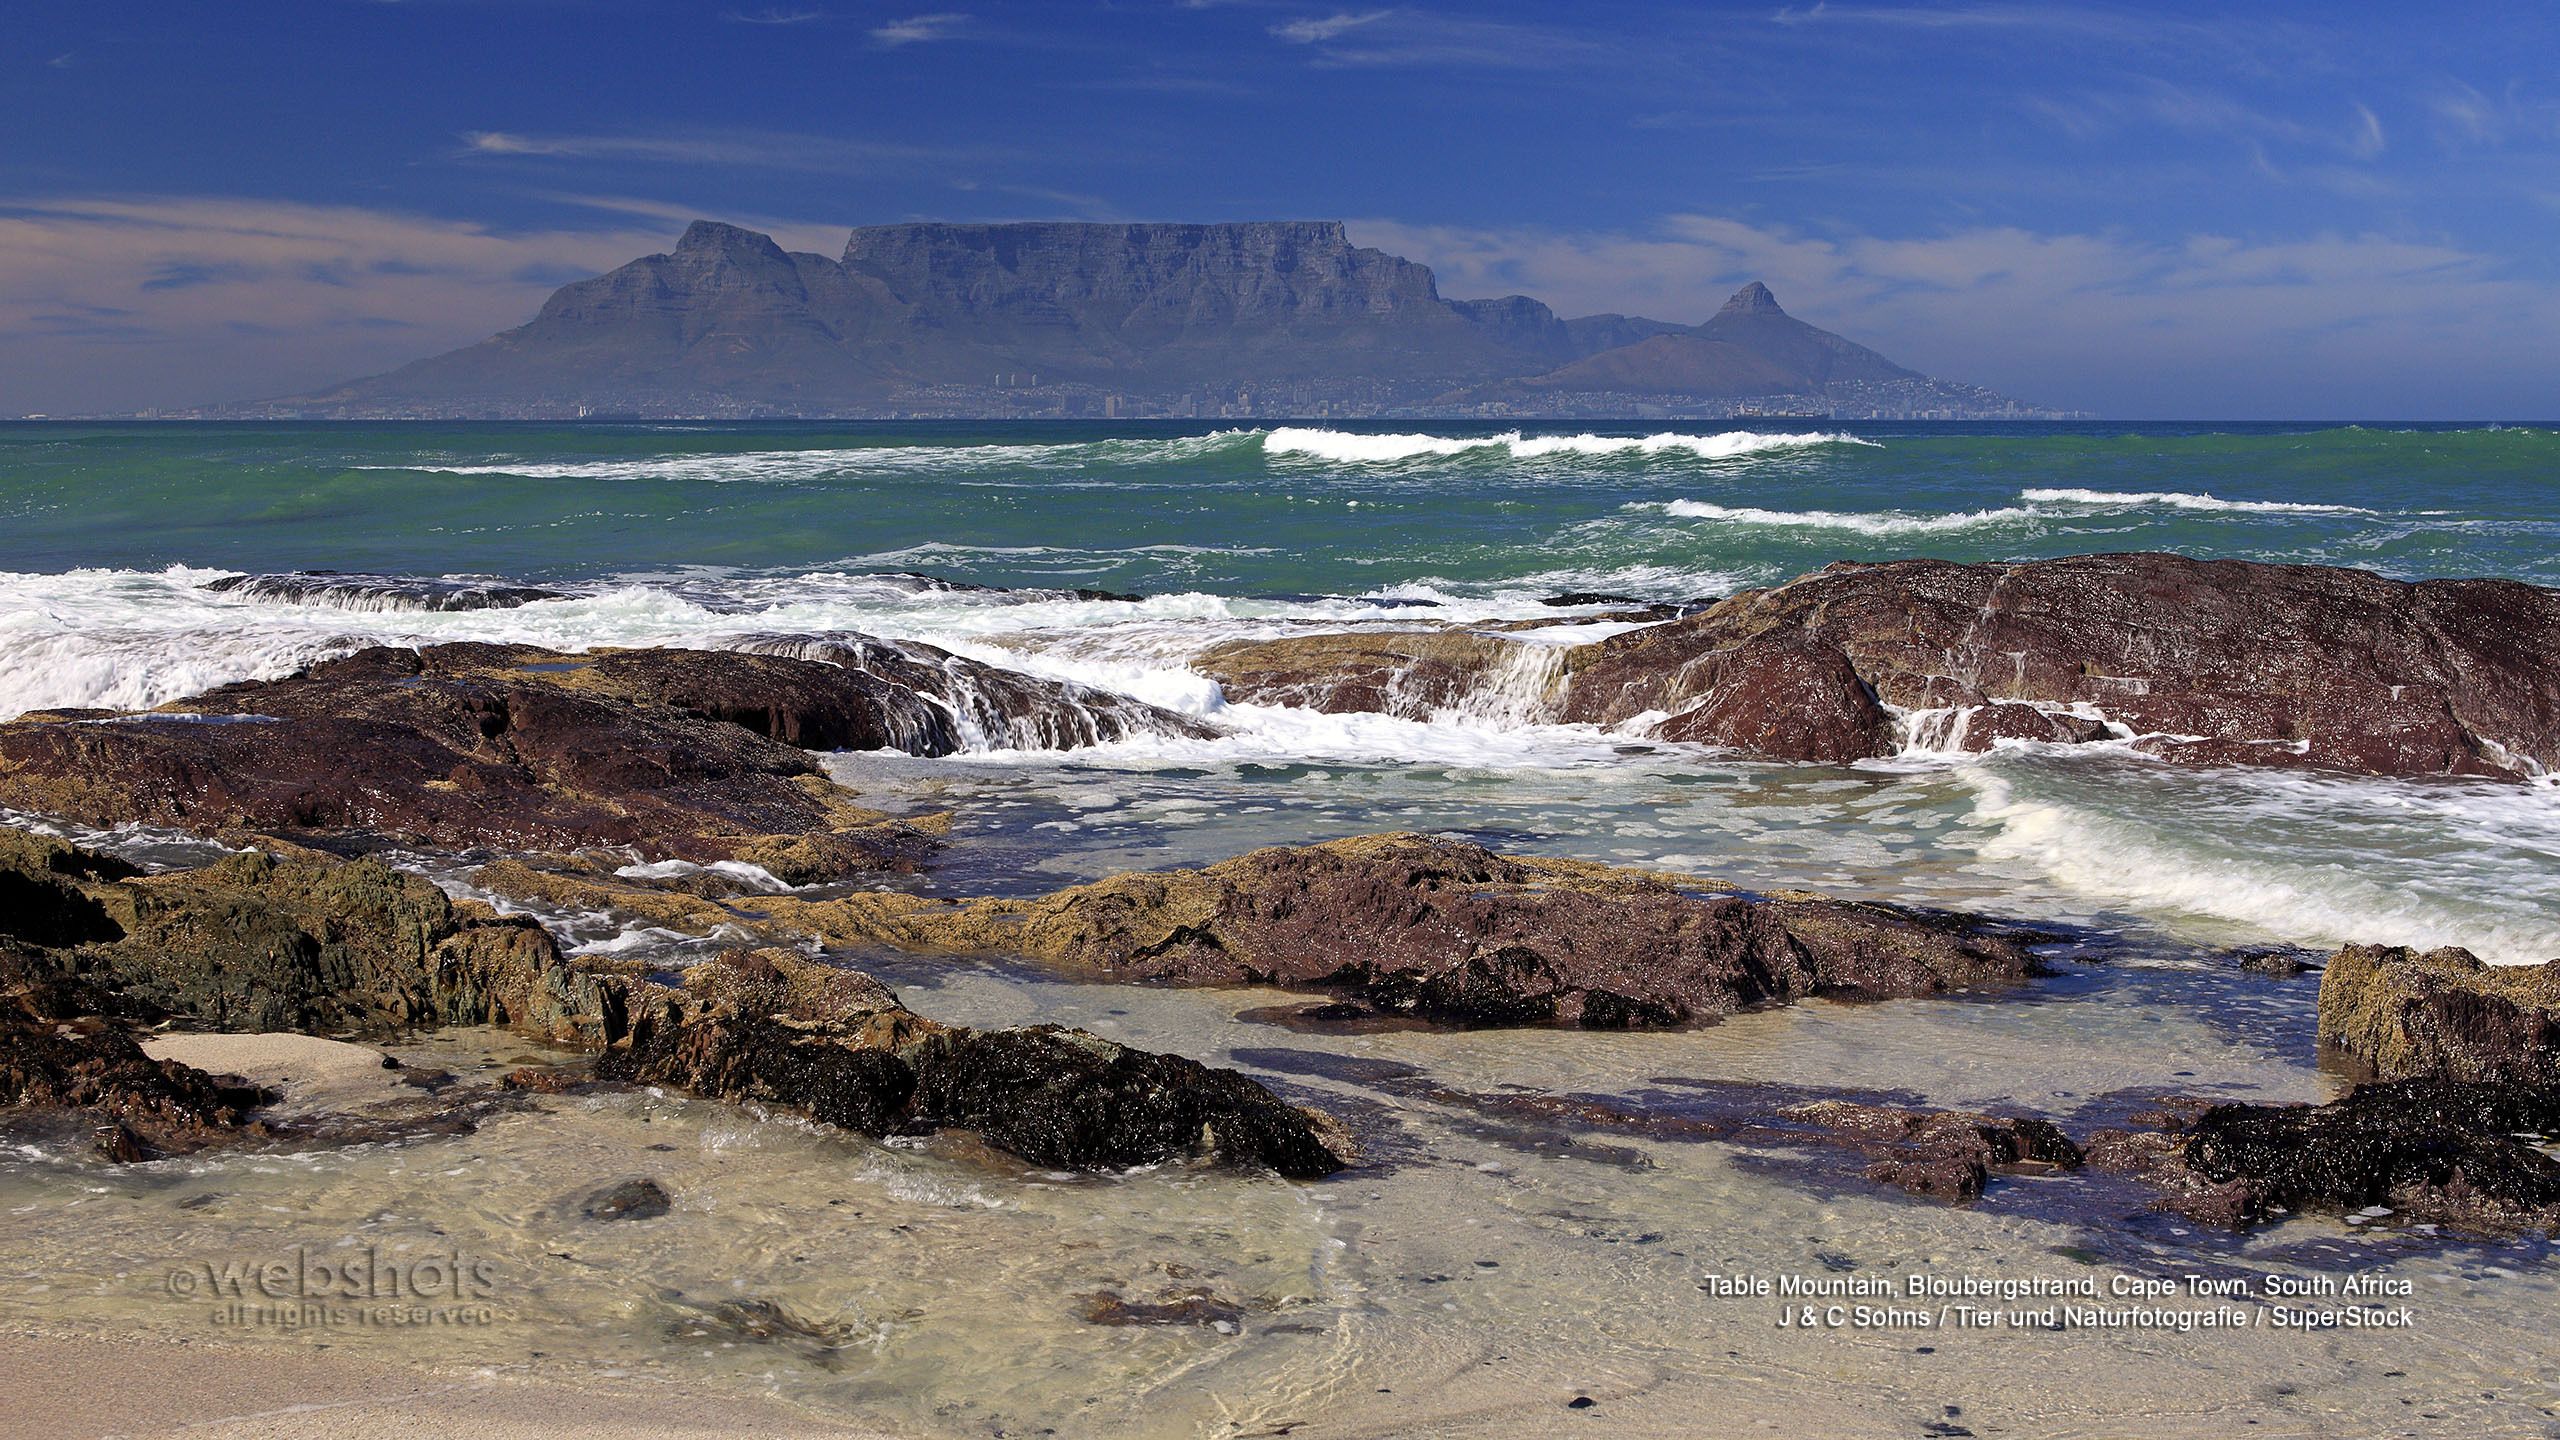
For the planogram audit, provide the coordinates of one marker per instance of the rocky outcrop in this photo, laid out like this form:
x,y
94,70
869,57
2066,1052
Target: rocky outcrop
x,y
2208,662
2441,1013
925,700
2200,662
257,943
2430,1151
1410,673
673,754
1941,1154
472,745
1433,928
382,592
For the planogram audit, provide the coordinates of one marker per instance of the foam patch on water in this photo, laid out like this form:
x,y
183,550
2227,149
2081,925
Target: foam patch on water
x,y
2183,500
849,461
1880,523
2306,858
129,640
1345,447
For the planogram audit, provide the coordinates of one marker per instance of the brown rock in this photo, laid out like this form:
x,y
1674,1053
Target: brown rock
x,y
2219,662
1412,673
1942,1154
468,745
257,943
2442,1013
1451,931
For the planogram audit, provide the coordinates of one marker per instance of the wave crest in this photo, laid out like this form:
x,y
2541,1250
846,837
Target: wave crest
x,y
1347,447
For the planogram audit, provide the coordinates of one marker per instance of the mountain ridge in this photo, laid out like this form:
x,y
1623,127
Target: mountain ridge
x,y
980,319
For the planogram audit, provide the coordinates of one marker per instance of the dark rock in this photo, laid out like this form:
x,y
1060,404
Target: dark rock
x,y
640,1199
547,1079
468,745
137,1107
1450,931
1412,673
774,1027
255,943
1180,1306
383,592
2442,1013
2281,962
1942,1154
2215,662
2432,1150
910,696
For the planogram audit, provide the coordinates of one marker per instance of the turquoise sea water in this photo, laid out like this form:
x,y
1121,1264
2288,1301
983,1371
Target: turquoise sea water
x,y
1485,1270
704,534
1155,507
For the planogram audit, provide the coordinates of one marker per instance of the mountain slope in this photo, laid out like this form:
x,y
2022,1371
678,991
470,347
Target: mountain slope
x,y
1266,317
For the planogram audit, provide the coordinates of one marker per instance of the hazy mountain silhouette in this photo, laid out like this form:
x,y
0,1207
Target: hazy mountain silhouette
x,y
1003,319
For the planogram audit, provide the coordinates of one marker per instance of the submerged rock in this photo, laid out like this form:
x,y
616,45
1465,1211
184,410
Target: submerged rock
x,y
638,1199
257,943
2210,662
1941,1154
1449,931
1410,673
2442,1013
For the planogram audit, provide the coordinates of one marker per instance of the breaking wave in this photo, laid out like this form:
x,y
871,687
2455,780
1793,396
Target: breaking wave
x,y
2035,505
1882,523
2182,500
1352,448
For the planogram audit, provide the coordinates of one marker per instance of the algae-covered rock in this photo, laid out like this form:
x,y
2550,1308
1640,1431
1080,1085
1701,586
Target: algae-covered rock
x,y
2442,1013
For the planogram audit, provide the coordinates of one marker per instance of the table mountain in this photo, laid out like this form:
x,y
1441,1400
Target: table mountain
x,y
952,319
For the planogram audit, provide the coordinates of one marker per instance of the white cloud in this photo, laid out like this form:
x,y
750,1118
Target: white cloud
x,y
757,149
1311,31
917,29
132,301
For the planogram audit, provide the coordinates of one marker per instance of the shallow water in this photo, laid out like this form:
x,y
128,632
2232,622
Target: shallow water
x,y
1496,1258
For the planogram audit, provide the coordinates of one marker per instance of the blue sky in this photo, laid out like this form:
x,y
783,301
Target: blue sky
x,y
2210,211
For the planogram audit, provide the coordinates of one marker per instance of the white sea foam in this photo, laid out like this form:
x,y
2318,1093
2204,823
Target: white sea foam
x,y
2305,858
851,460
2036,505
1345,447
126,640
2181,500
1881,523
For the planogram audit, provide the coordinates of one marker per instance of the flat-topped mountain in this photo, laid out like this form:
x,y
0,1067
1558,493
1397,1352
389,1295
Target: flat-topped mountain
x,y
1251,318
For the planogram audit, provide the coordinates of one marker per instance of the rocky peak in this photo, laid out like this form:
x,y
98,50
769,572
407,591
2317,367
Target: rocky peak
x,y
1752,299
707,238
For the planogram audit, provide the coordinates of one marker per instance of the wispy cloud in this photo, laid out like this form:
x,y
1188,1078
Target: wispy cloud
x,y
1310,31
775,16
755,149
1407,37
919,29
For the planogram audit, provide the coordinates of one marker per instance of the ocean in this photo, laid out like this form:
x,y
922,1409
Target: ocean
x,y
686,534
1488,1266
